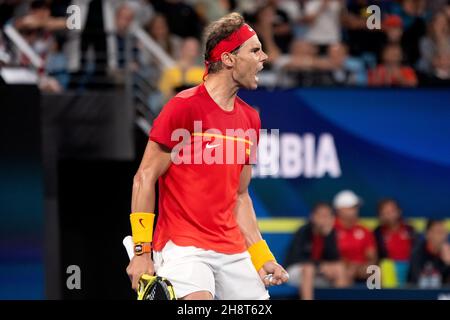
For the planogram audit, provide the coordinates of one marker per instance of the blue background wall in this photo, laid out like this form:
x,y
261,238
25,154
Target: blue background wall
x,y
389,143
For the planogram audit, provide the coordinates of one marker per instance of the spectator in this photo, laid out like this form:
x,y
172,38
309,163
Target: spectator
x,y
264,21
92,70
436,6
391,72
392,34
186,73
249,6
441,65
213,10
159,31
440,73
430,261
393,29
303,65
437,38
314,254
7,10
151,69
361,40
410,11
446,9
37,27
344,69
395,239
336,68
32,27
39,40
39,17
356,243
323,20
293,9
302,57
58,8
414,16
282,30
143,11
181,17
125,16
56,64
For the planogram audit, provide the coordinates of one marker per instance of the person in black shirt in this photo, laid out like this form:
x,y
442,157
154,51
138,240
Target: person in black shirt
x,y
183,20
430,261
313,254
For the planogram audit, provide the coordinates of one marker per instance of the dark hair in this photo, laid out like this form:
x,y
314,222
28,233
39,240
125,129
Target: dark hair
x,y
39,4
385,201
260,10
321,204
168,46
216,32
431,222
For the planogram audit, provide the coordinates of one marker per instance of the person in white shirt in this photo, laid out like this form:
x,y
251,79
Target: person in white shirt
x,y
323,20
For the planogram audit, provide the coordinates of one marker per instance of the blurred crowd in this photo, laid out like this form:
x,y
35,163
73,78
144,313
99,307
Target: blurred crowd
x,y
334,249
309,42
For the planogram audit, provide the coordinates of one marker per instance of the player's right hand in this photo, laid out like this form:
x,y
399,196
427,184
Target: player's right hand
x,y
138,266
272,273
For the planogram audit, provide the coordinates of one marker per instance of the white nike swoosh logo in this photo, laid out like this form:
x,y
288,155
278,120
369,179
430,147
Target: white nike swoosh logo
x,y
210,146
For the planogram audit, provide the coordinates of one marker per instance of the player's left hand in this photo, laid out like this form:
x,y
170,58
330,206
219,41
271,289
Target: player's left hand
x,y
279,275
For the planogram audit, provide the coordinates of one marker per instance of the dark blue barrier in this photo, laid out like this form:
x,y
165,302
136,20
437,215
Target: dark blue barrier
x,y
382,294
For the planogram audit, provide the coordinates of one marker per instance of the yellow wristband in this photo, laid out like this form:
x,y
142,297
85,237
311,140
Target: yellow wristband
x,y
142,226
260,254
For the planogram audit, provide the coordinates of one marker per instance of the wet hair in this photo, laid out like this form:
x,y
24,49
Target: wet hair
x,y
216,32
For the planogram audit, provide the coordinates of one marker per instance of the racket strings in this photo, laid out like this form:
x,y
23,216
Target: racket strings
x,y
156,288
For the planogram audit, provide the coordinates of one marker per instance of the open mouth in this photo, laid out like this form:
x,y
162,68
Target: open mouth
x,y
258,71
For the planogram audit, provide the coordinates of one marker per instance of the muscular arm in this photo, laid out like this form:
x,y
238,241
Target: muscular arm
x,y
246,219
155,162
244,212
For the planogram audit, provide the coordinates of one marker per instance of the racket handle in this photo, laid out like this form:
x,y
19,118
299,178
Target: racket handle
x,y
128,244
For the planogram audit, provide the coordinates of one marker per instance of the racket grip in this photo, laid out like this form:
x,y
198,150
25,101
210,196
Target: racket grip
x,y
128,244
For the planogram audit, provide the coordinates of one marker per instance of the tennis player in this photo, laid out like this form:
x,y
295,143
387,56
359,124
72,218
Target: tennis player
x,y
206,240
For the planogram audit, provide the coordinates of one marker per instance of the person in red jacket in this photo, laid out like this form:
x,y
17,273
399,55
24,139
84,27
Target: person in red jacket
x,y
391,72
356,243
395,239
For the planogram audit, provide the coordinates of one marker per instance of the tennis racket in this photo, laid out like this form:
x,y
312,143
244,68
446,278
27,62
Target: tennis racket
x,y
150,287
